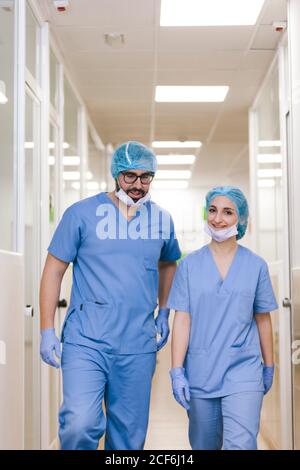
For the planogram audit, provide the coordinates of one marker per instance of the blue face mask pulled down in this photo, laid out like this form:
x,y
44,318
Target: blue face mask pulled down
x,y
222,234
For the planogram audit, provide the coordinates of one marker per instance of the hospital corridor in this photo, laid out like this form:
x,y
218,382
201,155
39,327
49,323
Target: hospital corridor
x,y
150,225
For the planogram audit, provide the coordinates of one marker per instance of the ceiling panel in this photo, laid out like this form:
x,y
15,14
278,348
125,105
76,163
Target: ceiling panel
x,y
266,38
199,60
112,13
112,60
113,78
204,38
183,76
92,39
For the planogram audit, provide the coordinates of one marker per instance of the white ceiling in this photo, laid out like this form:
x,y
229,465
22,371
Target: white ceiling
x,y
117,84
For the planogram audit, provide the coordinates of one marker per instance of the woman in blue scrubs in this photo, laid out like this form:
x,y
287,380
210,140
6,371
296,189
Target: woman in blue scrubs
x,y
222,356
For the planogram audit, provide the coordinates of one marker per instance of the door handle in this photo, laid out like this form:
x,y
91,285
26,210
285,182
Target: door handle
x,y
62,303
286,302
28,312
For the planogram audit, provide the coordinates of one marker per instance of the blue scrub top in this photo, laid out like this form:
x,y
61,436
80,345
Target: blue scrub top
x,y
224,354
115,272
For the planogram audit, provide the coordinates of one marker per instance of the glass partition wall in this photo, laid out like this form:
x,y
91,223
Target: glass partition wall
x,y
7,19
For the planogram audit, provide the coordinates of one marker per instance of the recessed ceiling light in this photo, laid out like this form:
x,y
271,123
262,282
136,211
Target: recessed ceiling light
x,y
183,184
269,143
3,97
269,158
175,159
193,144
191,94
71,175
269,173
173,174
71,161
266,183
209,12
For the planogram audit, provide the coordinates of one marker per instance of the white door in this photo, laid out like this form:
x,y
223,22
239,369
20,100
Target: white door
x,y
269,190
11,352
32,271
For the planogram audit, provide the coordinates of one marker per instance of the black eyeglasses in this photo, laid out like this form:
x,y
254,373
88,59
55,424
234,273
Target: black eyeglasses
x,y
145,178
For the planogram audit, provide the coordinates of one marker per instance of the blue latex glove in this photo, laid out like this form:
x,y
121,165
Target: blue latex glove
x,y
162,326
268,374
50,342
180,386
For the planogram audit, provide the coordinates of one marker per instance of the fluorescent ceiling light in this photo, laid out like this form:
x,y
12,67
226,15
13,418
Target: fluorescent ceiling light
x,y
170,184
92,185
67,161
175,159
269,158
173,174
3,97
103,185
275,173
71,175
71,161
267,183
191,94
177,144
209,12
29,145
269,143
51,145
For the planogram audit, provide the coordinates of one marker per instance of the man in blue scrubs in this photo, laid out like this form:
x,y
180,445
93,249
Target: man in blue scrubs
x,y
124,251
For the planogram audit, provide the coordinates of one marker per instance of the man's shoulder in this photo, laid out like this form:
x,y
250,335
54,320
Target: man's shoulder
x,y
156,207
79,208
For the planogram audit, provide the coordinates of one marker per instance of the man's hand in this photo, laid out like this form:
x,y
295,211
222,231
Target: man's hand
x,y
50,343
162,327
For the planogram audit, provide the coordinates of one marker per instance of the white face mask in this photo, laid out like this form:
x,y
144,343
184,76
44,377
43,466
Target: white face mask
x,y
130,202
220,235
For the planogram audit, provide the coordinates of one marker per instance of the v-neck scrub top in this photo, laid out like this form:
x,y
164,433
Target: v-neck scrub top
x,y
115,272
224,354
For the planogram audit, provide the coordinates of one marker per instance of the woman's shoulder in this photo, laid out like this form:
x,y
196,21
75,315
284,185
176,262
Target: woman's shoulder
x,y
252,256
194,256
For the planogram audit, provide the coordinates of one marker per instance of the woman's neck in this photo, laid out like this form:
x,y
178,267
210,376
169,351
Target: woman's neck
x,y
225,248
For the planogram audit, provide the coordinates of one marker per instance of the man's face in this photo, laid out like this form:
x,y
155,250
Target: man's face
x,y
134,187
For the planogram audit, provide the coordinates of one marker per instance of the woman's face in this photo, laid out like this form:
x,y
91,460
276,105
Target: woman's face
x,y
222,213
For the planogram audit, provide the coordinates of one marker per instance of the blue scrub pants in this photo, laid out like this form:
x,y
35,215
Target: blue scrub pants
x,y
231,421
123,381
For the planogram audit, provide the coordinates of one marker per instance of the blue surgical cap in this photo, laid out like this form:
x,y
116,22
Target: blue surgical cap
x,y
238,199
132,156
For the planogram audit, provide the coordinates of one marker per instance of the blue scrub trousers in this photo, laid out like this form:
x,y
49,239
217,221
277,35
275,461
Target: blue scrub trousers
x,y
123,381
231,421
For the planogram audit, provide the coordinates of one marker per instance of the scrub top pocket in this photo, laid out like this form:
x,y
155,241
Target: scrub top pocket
x,y
245,307
196,365
245,365
67,319
97,321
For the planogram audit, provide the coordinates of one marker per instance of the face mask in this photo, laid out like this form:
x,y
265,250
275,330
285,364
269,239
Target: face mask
x,y
220,235
130,202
